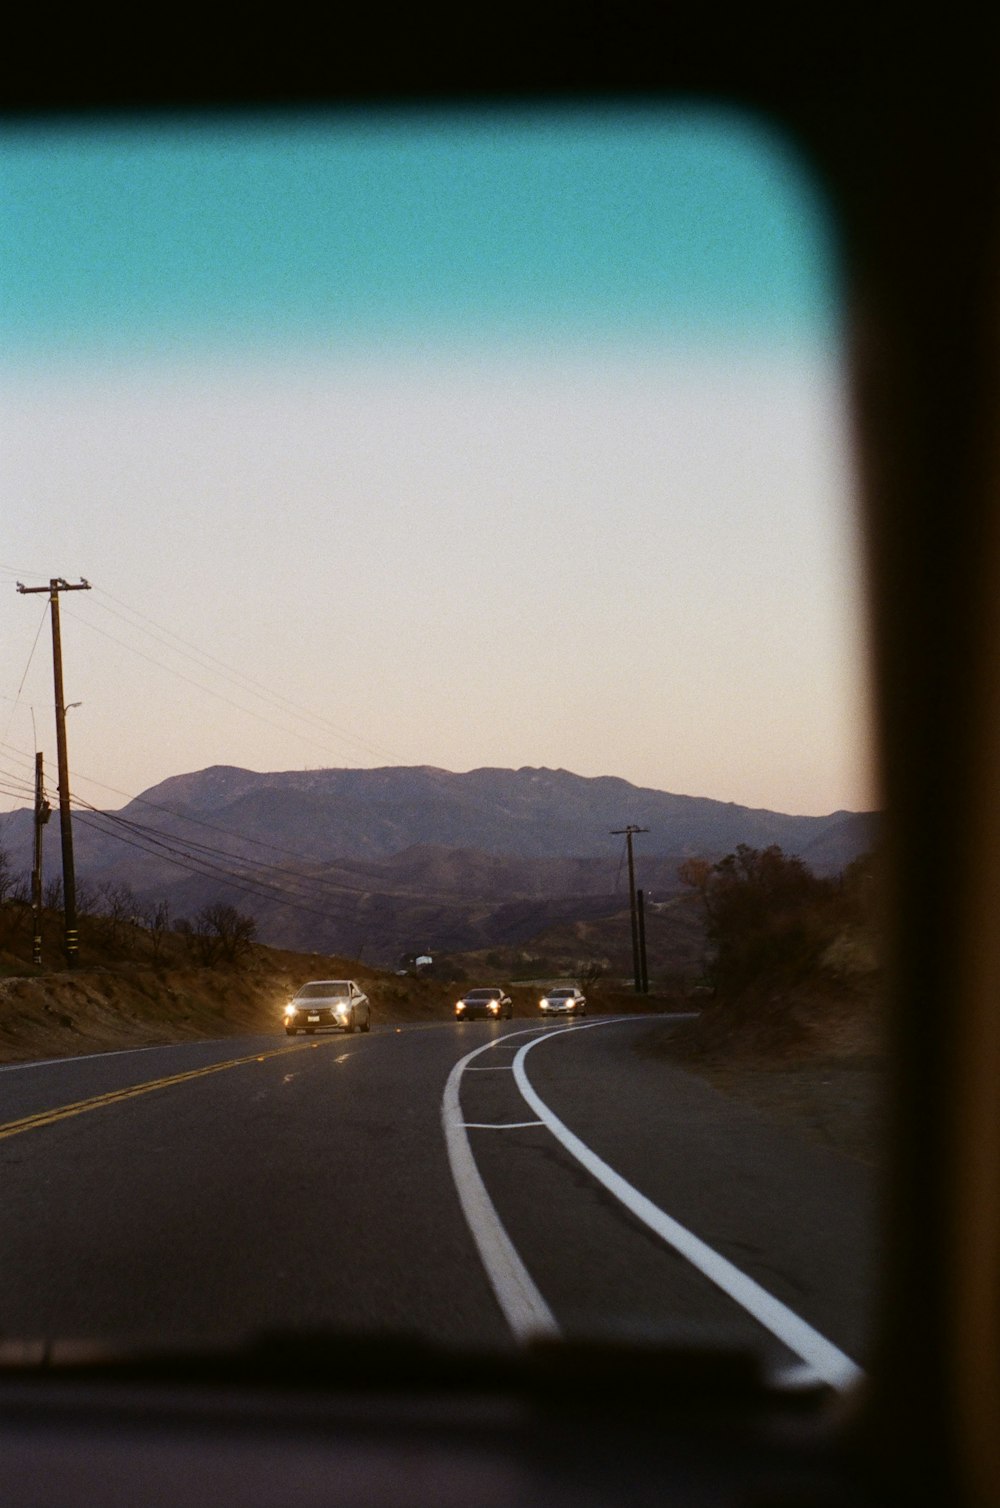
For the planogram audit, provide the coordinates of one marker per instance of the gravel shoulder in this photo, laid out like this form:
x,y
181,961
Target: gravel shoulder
x,y
838,1103
825,1079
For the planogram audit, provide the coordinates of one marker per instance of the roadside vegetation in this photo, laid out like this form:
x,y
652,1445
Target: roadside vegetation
x,y
791,957
144,977
790,997
781,964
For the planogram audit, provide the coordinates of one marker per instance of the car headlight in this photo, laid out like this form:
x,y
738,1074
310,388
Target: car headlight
x,y
290,1008
494,1006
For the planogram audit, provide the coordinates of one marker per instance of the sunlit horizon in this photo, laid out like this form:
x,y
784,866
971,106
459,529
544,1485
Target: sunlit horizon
x,y
523,446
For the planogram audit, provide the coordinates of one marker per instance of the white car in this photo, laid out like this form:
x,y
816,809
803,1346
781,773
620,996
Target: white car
x,y
563,1001
325,1003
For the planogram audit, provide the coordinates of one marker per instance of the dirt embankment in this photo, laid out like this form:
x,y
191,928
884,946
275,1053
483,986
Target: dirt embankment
x,y
92,1009
99,1007
810,1057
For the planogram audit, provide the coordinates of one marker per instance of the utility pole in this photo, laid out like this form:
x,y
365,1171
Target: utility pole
x,y
641,914
42,814
628,833
71,943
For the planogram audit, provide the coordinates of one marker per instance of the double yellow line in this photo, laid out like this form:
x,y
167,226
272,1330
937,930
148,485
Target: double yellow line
x,y
114,1096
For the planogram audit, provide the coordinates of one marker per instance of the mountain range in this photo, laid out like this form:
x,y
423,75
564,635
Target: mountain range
x,y
401,859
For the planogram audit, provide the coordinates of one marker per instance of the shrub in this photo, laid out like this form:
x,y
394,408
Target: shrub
x,y
221,934
768,917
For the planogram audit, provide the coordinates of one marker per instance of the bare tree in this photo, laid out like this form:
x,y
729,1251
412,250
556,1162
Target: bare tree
x,y
20,891
15,899
589,973
118,911
156,920
222,934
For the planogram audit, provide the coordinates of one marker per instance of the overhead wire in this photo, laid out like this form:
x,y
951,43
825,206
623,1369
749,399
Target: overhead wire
x,y
621,865
209,853
214,666
193,851
164,846
158,838
236,678
206,660
245,883
31,655
151,659
196,856
25,786
180,816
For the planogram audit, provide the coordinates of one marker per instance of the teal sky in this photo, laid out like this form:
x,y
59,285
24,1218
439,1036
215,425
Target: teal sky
x,y
568,227
466,440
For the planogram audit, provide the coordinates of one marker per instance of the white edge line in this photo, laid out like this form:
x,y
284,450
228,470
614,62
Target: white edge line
x,y
117,1052
821,1355
522,1305
125,1052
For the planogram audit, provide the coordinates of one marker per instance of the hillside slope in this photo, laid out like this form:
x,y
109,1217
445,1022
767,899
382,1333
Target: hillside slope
x,y
382,862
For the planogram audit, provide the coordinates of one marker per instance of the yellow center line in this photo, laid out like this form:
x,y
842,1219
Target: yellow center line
x,y
114,1096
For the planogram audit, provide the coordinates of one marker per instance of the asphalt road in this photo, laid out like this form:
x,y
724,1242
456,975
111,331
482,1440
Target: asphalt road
x,y
402,1181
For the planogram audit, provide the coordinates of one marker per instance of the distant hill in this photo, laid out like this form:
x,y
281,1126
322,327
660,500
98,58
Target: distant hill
x,y
403,857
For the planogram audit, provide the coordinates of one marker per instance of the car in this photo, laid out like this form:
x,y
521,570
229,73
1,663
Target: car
x,y
325,1003
491,1003
563,1001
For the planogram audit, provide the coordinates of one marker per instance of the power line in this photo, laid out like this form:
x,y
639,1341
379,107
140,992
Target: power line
x,y
31,655
80,801
190,681
207,661
244,882
209,853
236,678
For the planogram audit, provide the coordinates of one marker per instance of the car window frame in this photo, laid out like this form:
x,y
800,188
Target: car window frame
x,y
899,127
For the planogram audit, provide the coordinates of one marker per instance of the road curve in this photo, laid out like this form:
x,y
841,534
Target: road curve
x,y
213,1190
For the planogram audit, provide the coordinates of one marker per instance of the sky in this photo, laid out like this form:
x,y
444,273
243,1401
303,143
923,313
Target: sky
x,y
461,440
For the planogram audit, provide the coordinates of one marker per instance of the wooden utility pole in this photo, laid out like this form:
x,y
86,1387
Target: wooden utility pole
x,y
71,943
640,908
628,833
42,814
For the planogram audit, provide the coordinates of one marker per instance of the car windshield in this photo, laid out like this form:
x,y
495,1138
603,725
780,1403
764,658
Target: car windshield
x,y
412,348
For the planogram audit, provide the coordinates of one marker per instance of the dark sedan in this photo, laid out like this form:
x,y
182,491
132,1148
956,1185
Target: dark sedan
x,y
492,1003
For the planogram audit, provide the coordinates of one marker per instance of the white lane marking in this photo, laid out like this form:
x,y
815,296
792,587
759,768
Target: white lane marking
x,y
493,1068
124,1052
521,1304
87,1057
815,1350
501,1126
